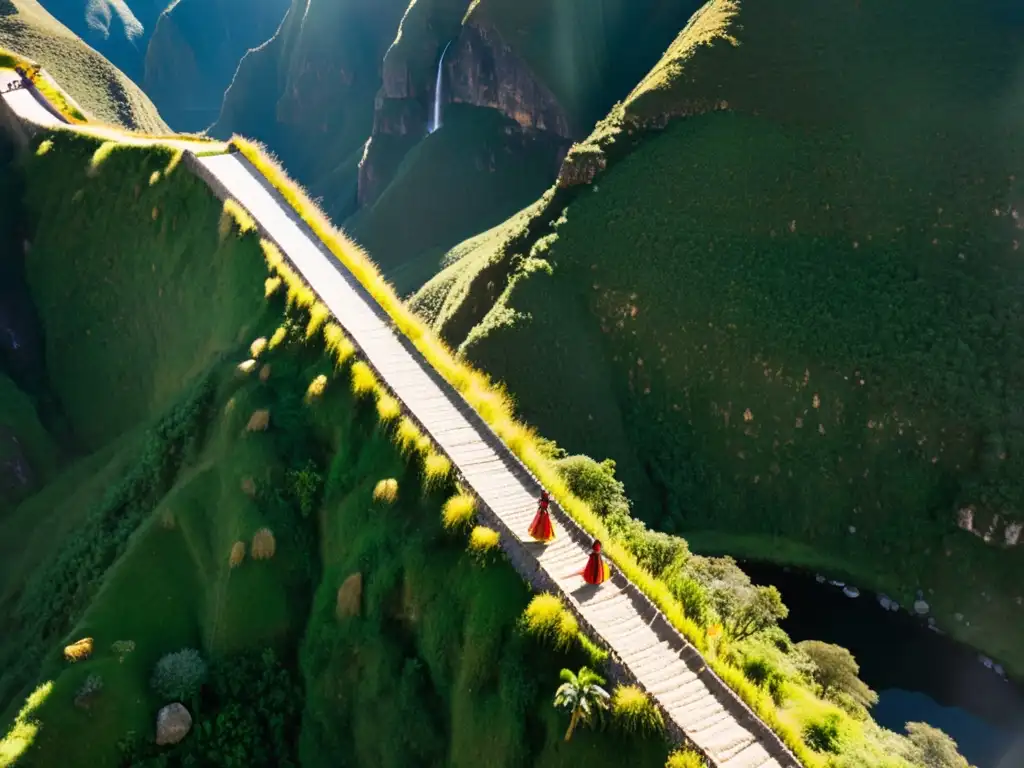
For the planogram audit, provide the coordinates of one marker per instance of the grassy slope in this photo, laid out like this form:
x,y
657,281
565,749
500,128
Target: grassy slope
x,y
132,542
816,228
308,92
468,175
101,89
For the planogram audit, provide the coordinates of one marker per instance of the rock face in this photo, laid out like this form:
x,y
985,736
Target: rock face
x,y
173,723
482,70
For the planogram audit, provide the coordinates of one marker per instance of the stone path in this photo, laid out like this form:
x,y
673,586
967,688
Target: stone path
x,y
643,644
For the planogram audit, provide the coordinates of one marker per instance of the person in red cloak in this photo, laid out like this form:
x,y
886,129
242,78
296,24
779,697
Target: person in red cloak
x,y
541,528
596,572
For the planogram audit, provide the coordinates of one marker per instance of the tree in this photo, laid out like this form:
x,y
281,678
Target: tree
x,y
835,670
581,695
762,610
933,748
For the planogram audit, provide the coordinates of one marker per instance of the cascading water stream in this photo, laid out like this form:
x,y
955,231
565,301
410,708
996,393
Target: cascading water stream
x,y
435,121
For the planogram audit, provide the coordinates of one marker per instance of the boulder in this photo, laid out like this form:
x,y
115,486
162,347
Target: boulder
x,y
173,723
921,607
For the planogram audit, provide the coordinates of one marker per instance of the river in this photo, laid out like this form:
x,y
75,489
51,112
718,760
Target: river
x,y
919,674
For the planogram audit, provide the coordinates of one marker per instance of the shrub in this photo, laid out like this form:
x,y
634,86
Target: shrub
x,y
318,314
692,597
407,435
835,670
763,673
263,544
304,486
933,748
338,343
458,511
685,758
278,335
79,651
122,648
386,491
823,735
92,685
237,554
546,618
179,676
483,541
634,712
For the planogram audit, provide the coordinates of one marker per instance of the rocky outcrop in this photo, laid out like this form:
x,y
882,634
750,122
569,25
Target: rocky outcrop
x,y
484,71
173,723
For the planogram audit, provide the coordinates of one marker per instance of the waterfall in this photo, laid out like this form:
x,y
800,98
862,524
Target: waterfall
x,y
435,121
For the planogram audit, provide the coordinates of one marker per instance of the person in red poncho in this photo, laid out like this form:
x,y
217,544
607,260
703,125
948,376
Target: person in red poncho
x,y
541,528
595,572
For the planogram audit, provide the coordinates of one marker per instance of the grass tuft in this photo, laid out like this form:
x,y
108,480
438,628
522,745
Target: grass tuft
x,y
436,469
263,544
388,408
483,541
270,286
259,421
318,314
233,212
154,178
363,380
237,554
685,758
257,347
458,512
634,711
102,153
407,435
338,344
247,366
278,337
44,146
546,618
316,387
79,651
23,732
386,491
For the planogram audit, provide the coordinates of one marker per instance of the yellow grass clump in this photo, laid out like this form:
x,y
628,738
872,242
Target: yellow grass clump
x,y
235,213
406,435
316,387
79,651
270,286
685,758
263,544
634,711
44,146
388,408
458,512
154,178
257,347
265,372
25,727
363,380
483,541
547,618
246,366
338,343
318,314
259,421
386,491
350,596
277,337
102,153
436,469
237,554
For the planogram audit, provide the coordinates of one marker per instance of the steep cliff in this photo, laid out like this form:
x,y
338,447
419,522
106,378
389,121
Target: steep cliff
x,y
195,48
783,297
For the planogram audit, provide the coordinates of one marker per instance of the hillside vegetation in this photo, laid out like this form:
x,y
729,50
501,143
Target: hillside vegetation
x,y
788,307
97,85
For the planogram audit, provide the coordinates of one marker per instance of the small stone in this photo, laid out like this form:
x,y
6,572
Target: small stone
x,y
958,616
885,602
920,607
853,529
173,723
851,591
894,606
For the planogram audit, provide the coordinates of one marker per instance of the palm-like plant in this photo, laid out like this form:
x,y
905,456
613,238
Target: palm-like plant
x,y
581,695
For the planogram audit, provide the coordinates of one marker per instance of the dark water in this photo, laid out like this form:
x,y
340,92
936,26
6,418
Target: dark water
x,y
919,675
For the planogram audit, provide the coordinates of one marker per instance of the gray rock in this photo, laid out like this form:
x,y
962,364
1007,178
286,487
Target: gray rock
x,y
921,607
173,723
885,601
851,591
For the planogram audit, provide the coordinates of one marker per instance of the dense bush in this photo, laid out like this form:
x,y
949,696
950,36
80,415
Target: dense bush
x,y
762,672
932,748
179,676
835,670
823,735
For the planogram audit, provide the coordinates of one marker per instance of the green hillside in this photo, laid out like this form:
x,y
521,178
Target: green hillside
x,y
98,86
791,315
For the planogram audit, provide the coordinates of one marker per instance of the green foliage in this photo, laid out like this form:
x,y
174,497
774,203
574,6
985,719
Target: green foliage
x,y
121,648
635,712
483,542
763,673
745,609
91,687
835,670
823,735
582,696
178,676
547,619
305,485
933,748
685,758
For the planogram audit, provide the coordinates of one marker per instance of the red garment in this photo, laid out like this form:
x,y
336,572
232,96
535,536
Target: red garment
x,y
541,528
595,572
